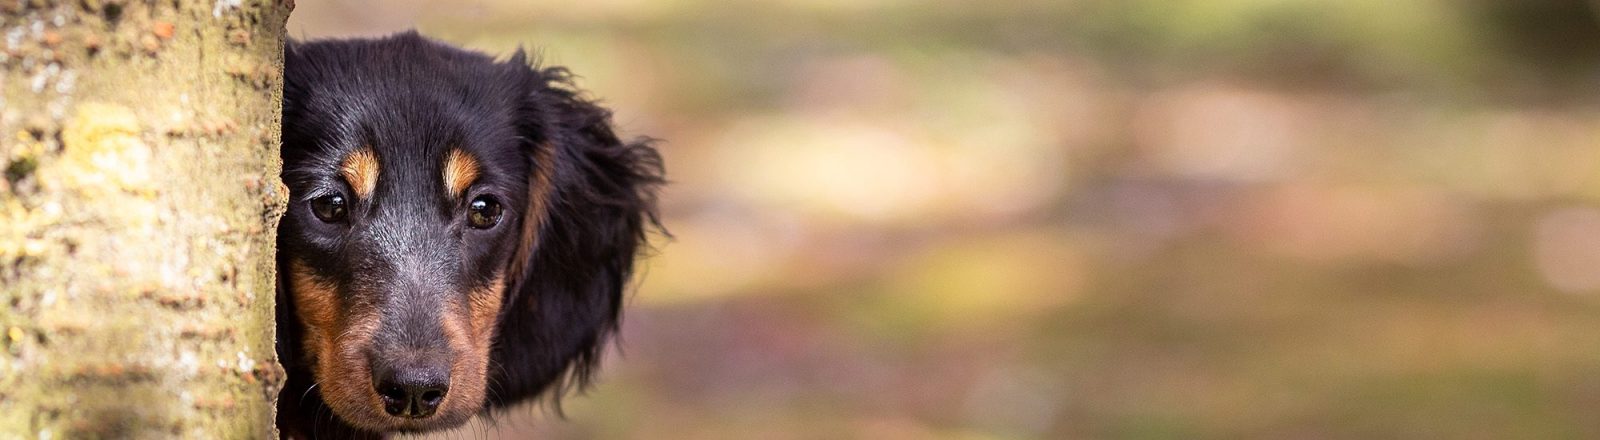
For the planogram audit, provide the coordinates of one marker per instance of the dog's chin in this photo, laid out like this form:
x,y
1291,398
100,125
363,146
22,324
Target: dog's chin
x,y
374,419
389,424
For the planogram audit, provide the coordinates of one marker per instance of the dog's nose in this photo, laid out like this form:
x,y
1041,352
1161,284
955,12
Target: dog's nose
x,y
413,392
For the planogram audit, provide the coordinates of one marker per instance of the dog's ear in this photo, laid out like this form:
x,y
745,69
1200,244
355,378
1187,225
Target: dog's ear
x,y
591,203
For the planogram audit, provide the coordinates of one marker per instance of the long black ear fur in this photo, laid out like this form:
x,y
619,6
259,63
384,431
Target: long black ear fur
x,y
564,295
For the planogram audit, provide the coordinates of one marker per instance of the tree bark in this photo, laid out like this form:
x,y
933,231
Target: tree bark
x,y
139,144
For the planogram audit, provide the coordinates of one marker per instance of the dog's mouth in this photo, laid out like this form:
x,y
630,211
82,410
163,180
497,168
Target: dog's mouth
x,y
399,399
397,366
382,381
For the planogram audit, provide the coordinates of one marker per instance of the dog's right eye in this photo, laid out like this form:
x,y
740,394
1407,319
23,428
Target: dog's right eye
x,y
329,208
484,212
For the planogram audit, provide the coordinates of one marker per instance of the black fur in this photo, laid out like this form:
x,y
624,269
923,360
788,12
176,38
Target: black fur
x,y
415,97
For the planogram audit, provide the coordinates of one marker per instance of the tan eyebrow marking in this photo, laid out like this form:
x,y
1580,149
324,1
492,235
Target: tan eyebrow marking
x,y
460,170
360,170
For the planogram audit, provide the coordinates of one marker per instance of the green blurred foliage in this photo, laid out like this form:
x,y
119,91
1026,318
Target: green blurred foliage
x,y
1091,218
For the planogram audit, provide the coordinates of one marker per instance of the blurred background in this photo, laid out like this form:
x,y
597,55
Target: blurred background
x,y
969,219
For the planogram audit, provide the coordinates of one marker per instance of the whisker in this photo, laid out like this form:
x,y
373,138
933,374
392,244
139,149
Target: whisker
x,y
313,386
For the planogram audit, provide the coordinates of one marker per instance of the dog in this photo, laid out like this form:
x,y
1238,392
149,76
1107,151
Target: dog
x,y
459,235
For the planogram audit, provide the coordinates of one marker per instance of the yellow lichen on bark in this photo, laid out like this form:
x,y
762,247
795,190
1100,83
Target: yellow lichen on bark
x,y
102,153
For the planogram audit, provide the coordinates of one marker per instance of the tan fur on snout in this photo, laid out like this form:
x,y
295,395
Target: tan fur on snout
x,y
470,331
336,338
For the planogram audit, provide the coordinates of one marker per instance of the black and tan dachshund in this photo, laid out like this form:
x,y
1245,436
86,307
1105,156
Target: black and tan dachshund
x,y
459,235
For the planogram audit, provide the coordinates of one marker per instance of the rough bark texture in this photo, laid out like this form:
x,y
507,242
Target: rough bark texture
x,y
139,143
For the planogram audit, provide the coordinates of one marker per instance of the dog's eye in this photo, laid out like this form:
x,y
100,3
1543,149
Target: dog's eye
x,y
484,212
329,208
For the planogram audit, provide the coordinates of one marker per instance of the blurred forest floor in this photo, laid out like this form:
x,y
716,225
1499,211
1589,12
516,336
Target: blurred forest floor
x,y
1089,219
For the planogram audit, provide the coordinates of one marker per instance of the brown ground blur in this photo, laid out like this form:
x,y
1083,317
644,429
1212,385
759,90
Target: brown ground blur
x,y
1088,218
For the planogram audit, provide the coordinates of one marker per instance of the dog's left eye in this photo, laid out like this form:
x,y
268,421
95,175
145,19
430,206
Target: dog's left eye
x,y
484,212
329,208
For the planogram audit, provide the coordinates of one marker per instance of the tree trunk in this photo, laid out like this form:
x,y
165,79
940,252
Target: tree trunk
x,y
139,143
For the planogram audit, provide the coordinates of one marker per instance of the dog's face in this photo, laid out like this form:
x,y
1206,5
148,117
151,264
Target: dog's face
x,y
405,213
421,178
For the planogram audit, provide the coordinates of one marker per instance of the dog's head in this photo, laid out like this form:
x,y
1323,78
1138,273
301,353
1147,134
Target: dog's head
x,y
459,233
